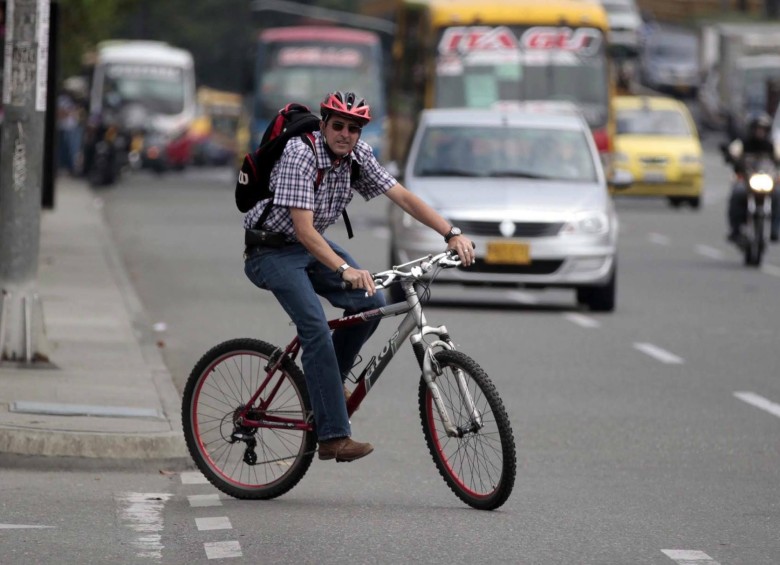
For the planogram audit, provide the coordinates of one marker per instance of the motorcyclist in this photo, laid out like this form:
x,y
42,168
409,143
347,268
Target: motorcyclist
x,y
756,143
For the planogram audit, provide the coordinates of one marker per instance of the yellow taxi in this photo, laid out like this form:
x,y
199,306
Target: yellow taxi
x,y
657,142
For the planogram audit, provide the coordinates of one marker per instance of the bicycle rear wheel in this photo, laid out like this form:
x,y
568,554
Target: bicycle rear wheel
x,y
480,464
255,463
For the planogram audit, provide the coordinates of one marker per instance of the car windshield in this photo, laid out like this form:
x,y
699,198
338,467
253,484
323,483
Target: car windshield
x,y
673,48
618,7
656,122
502,151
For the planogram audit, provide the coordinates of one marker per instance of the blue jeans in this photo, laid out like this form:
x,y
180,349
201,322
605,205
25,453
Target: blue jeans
x,y
296,278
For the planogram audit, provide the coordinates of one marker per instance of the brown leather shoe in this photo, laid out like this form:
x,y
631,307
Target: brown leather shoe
x,y
344,449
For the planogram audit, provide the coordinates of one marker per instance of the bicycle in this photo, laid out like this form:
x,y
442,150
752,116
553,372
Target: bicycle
x,y
248,423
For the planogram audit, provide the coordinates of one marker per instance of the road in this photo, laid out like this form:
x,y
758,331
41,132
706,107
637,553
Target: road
x,y
649,435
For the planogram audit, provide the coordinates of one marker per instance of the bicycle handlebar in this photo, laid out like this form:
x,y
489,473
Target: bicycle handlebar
x,y
416,269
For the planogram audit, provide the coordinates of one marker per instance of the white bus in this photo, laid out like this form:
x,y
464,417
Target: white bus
x,y
154,75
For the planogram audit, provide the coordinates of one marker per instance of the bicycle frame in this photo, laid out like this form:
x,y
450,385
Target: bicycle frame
x,y
413,326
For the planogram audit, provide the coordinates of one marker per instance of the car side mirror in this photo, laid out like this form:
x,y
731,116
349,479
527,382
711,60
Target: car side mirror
x,y
620,179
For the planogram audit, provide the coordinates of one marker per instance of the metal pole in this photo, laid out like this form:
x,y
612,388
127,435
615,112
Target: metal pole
x,y
21,171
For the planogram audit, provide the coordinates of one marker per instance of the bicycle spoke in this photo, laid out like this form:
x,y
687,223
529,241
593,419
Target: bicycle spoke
x,y
244,461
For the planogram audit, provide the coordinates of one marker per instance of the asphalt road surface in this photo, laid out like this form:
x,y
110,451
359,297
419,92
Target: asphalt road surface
x,y
649,435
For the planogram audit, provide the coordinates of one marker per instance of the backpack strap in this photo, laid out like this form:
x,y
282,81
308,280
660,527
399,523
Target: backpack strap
x,y
308,139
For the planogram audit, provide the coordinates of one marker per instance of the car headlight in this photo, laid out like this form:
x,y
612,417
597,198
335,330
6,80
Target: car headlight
x,y
588,223
761,182
690,160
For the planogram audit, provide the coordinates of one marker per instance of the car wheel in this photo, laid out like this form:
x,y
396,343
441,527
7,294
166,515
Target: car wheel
x,y
599,298
695,202
675,202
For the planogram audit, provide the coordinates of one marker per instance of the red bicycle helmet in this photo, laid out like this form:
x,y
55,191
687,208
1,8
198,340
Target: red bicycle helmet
x,y
346,104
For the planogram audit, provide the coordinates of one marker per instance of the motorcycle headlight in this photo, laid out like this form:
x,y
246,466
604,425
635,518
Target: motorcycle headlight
x,y
761,182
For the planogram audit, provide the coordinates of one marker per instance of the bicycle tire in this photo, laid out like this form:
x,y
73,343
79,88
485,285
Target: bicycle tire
x,y
479,467
221,381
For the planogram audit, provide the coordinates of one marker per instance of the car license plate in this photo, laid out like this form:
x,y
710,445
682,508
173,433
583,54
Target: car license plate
x,y
508,253
654,176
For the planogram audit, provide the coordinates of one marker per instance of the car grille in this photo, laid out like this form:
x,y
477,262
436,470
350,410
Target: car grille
x,y
654,160
522,229
542,267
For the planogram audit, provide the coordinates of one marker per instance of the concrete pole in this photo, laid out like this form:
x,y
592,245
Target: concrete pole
x,y
22,335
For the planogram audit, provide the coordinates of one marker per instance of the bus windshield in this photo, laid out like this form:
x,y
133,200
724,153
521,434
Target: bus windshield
x,y
483,66
304,72
156,87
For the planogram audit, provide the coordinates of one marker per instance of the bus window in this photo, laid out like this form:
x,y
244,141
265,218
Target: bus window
x,y
481,54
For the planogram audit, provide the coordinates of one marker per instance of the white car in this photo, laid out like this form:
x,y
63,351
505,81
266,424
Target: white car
x,y
625,24
527,186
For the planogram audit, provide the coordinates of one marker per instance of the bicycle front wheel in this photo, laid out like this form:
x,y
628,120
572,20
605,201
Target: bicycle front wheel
x,y
255,463
479,464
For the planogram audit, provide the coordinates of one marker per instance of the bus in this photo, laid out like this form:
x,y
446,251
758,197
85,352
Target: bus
x,y
493,53
214,131
155,80
303,63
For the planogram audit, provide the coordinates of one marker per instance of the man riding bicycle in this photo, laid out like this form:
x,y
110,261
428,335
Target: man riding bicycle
x,y
303,264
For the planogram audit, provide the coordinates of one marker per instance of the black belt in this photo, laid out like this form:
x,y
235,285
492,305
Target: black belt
x,y
265,238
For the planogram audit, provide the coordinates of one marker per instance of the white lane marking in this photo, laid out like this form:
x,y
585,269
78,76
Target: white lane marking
x,y
222,549
759,402
22,527
689,557
771,270
657,353
142,512
193,478
204,500
215,523
710,252
523,297
658,238
584,321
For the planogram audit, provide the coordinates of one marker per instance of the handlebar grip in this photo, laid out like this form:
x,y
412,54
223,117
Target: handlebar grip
x,y
346,285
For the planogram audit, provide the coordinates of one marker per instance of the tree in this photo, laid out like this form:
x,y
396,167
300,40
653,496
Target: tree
x,y
83,23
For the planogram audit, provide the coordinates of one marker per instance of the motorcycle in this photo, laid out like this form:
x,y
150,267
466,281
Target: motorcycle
x,y
114,141
760,180
108,145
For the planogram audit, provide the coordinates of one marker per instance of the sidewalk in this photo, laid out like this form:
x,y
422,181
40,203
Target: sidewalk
x,y
108,393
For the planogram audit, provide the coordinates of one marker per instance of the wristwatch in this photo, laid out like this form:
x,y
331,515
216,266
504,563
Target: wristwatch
x,y
452,233
343,268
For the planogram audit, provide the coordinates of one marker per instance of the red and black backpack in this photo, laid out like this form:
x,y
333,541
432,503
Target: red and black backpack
x,y
254,176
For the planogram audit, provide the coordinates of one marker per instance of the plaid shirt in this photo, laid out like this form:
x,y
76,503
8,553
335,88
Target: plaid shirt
x,y
292,182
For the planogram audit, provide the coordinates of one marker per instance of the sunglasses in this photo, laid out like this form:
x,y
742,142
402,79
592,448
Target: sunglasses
x,y
338,126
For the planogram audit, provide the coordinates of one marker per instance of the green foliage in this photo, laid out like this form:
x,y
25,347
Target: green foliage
x,y
219,33
83,23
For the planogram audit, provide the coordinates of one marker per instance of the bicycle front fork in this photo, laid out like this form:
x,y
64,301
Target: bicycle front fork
x,y
431,370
